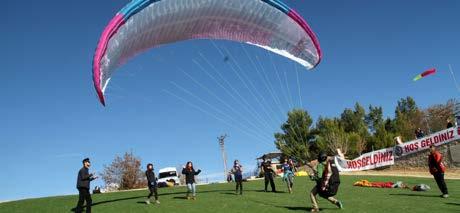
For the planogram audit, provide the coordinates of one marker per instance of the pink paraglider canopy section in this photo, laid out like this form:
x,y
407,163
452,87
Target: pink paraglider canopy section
x,y
143,24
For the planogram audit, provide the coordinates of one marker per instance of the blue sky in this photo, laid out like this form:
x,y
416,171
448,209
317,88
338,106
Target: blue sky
x,y
51,118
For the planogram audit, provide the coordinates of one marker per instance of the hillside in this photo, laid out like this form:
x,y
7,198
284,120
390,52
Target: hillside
x,y
221,198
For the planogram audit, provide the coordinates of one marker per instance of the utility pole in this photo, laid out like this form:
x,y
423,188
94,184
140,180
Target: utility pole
x,y
221,140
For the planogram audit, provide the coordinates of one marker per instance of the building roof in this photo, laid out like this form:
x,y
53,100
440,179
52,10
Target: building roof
x,y
270,155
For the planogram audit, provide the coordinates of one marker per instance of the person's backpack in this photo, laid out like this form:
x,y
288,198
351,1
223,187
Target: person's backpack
x,y
334,182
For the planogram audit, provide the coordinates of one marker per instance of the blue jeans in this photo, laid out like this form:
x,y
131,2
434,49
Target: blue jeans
x,y
191,187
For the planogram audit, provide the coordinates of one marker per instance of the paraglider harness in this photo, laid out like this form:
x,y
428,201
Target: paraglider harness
x,y
333,184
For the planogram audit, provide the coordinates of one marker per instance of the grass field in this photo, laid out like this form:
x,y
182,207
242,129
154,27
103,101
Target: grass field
x,y
221,198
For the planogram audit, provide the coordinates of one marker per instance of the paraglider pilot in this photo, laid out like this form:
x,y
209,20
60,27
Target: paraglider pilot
x,y
327,182
83,185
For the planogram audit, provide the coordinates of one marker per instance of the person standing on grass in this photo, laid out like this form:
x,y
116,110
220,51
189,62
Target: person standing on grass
x,y
83,185
327,182
268,174
190,173
152,184
288,173
437,169
237,171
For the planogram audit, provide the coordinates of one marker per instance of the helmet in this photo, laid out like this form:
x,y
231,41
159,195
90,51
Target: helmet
x,y
322,156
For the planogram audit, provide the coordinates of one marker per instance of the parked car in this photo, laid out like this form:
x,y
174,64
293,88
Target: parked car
x,y
168,176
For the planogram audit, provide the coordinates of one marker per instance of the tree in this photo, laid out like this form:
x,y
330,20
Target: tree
x,y
437,115
293,141
357,144
355,131
383,138
124,171
354,121
408,117
332,136
374,118
390,125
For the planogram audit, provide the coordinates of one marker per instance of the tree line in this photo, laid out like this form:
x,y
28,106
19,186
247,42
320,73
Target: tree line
x,y
358,130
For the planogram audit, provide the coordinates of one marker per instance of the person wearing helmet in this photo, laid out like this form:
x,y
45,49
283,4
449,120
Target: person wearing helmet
x,y
327,182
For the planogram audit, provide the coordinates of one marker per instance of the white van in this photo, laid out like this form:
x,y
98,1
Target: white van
x,y
168,174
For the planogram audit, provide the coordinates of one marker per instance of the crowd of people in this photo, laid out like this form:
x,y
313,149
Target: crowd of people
x,y
325,174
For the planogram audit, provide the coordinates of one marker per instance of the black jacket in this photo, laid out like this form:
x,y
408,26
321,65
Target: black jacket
x,y
190,175
267,167
83,178
151,179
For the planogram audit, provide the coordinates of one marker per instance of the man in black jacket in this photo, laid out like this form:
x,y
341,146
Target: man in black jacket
x,y
268,174
152,184
83,180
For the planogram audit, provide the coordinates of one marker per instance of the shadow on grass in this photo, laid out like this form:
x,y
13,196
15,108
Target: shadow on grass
x,y
180,197
116,200
229,193
110,201
161,194
454,204
198,192
416,195
145,204
296,208
300,208
142,202
263,191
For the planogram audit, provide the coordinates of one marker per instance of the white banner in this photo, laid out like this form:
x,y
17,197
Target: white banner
x,y
386,157
439,138
370,160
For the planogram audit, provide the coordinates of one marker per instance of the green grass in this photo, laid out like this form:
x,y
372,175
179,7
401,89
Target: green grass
x,y
220,198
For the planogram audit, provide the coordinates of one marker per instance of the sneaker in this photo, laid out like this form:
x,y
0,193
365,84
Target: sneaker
x,y
339,204
445,195
147,202
157,201
188,198
314,210
193,198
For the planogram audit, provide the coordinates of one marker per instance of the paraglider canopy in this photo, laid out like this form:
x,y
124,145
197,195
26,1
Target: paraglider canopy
x,y
424,74
144,24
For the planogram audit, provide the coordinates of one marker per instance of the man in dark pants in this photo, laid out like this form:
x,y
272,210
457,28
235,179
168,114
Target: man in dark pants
x,y
437,169
83,180
152,184
268,174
